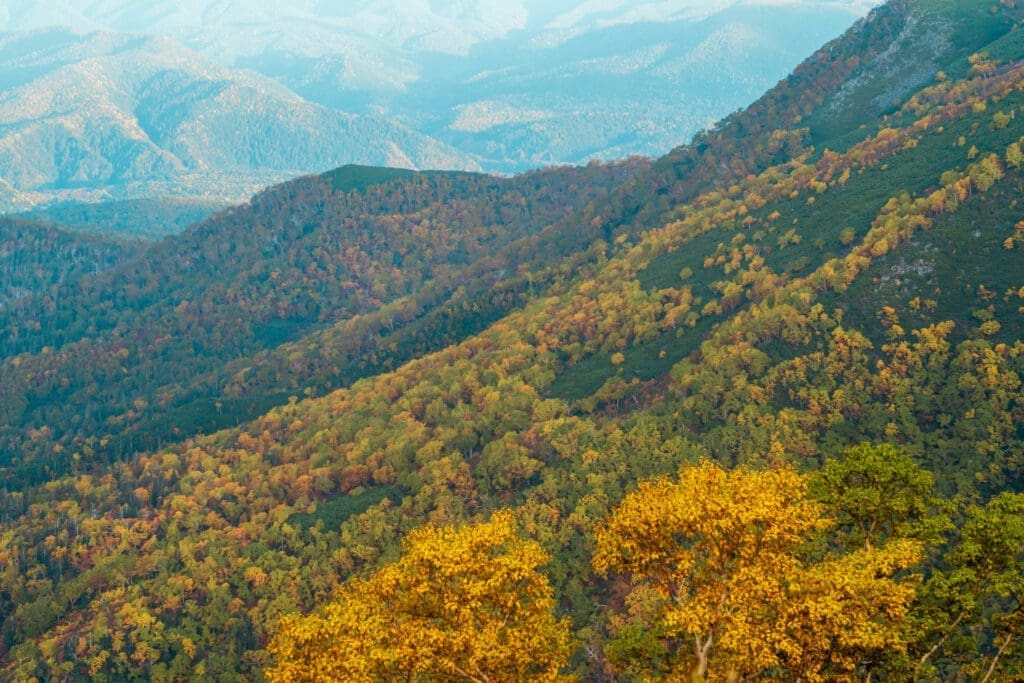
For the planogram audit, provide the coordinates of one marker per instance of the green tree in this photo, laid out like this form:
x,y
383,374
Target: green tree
x,y
878,492
973,611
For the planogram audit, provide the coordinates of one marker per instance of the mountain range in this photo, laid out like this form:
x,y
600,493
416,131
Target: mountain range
x,y
104,115
212,446
212,100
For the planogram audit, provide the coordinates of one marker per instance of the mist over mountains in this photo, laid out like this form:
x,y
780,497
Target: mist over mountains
x,y
107,115
238,27
216,99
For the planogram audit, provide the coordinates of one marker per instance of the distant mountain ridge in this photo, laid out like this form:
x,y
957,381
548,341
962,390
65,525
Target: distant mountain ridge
x,y
407,25
114,116
264,91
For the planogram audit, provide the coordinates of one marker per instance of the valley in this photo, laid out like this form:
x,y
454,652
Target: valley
x,y
752,409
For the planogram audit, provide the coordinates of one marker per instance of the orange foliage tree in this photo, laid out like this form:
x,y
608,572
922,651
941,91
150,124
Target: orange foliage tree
x,y
737,594
461,604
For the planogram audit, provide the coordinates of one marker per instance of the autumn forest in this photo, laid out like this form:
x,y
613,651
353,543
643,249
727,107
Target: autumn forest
x,y
753,410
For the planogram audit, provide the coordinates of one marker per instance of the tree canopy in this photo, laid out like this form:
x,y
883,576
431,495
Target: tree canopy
x,y
461,604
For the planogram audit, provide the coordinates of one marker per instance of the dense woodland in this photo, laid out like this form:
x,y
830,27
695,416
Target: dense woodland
x,y
41,261
753,411
155,348
133,219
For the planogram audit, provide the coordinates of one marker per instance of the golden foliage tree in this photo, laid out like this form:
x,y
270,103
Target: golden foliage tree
x,y
464,604
741,593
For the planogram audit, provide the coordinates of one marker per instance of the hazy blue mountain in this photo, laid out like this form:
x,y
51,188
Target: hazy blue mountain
x,y
514,83
244,27
103,115
607,91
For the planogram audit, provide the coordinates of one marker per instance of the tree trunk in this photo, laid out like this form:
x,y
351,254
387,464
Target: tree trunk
x,y
995,660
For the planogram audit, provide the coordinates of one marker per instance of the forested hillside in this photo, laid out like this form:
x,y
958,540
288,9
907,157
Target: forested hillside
x,y
188,336
41,260
754,411
138,219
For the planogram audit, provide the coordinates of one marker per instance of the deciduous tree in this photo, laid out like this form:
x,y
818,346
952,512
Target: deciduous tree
x,y
461,604
740,596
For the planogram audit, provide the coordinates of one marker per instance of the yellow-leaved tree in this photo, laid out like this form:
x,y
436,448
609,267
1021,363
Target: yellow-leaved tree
x,y
732,586
461,604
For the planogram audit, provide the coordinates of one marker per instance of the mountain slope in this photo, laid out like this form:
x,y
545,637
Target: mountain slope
x,y
152,345
104,115
825,298
145,219
41,260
